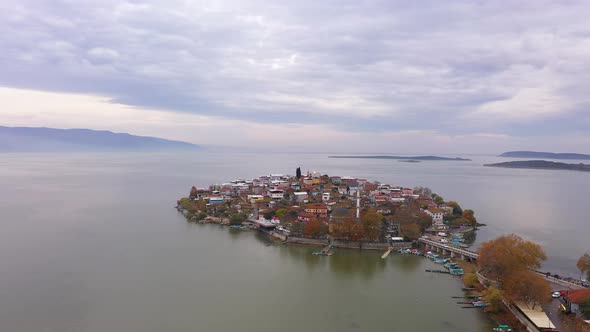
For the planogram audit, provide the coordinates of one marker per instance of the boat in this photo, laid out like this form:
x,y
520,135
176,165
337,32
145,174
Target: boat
x,y
502,328
321,253
480,304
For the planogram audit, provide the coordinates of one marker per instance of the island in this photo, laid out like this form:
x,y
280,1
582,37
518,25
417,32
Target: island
x,y
409,161
33,139
415,158
547,155
330,211
542,164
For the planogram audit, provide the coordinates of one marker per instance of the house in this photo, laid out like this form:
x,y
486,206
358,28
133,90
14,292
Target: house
x,y
326,196
575,298
407,192
379,198
319,210
300,196
276,194
216,200
308,181
255,198
436,215
336,180
305,217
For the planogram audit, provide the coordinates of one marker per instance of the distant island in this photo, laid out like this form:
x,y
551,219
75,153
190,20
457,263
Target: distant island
x,y
409,161
544,155
414,159
32,139
542,164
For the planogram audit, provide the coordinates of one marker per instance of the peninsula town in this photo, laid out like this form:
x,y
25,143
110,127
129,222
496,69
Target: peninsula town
x,y
320,206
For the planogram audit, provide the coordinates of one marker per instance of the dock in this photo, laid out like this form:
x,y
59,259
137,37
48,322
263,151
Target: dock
x,y
387,253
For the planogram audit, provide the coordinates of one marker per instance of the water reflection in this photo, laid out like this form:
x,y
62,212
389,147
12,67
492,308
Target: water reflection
x,y
349,263
405,262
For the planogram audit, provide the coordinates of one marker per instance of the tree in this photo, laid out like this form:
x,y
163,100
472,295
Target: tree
x,y
584,265
236,219
508,254
528,287
470,215
269,214
193,193
372,223
411,231
438,200
493,296
280,213
457,211
470,280
313,228
298,173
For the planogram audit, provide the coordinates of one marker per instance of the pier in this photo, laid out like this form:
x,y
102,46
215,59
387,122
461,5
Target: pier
x,y
387,253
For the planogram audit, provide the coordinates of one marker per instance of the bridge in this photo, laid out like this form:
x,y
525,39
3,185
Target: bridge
x,y
448,249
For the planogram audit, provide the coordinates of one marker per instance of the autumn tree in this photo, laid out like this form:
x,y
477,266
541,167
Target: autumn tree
x,y
493,296
470,280
584,265
314,229
372,225
507,254
411,231
528,287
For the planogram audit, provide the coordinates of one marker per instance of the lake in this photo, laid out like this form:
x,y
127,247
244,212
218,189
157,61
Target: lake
x,y
91,242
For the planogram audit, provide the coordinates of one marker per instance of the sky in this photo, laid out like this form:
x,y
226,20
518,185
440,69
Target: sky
x,y
375,76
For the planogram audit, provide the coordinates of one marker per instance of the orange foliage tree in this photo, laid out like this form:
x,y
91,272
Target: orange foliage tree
x,y
507,254
372,225
314,229
528,287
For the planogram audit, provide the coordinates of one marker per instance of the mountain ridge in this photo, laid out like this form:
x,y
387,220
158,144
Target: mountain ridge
x,y
39,139
540,154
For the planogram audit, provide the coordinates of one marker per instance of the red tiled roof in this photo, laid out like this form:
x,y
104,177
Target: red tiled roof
x,y
579,295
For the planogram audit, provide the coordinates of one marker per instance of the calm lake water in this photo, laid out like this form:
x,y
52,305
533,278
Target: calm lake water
x,y
92,243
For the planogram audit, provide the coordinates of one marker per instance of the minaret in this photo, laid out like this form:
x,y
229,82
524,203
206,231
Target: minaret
x,y
358,205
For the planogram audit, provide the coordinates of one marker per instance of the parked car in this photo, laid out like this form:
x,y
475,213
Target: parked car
x,y
555,295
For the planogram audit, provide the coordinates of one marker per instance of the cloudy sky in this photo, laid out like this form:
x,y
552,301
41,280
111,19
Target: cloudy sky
x,y
390,76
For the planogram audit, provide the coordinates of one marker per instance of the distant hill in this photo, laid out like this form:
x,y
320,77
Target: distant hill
x,y
30,139
542,164
547,155
417,158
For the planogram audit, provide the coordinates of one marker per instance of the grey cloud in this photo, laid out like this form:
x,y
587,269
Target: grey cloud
x,y
399,65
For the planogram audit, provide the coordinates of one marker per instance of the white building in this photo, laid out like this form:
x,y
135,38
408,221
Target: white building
x,y
437,215
276,194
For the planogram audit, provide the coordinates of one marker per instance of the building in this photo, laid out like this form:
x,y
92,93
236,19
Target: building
x,y
300,196
276,194
319,210
437,215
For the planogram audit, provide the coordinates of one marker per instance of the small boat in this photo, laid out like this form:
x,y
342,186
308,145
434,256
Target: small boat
x,y
502,328
480,304
321,253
